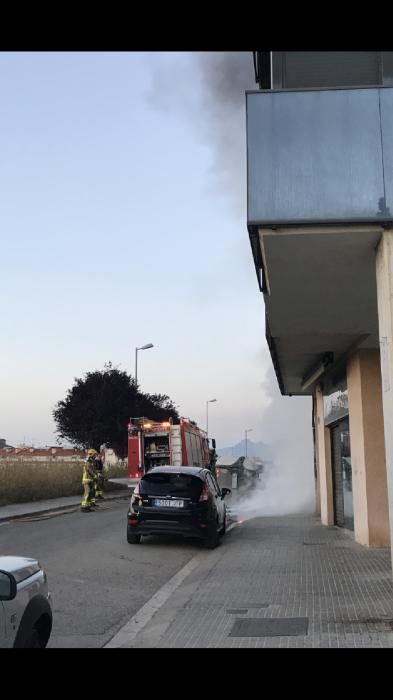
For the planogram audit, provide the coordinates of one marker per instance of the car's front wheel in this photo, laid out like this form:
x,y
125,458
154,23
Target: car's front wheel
x,y
133,539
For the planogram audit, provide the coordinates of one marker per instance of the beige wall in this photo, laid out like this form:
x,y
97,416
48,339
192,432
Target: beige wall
x,y
324,462
369,481
384,274
317,477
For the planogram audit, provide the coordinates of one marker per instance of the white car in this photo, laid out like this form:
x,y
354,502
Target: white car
x,y
25,604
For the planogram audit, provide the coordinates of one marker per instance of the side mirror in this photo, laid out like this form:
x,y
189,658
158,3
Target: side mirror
x,y
213,444
225,492
8,586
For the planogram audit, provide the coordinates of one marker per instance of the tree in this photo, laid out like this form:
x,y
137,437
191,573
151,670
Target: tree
x,y
98,407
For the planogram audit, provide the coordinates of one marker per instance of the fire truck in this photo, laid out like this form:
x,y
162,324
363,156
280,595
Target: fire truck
x,y
152,444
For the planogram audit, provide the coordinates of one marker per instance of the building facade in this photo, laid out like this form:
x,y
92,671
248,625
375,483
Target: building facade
x,y
320,222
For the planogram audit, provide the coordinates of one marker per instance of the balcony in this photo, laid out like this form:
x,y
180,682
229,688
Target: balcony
x,y
320,191
320,156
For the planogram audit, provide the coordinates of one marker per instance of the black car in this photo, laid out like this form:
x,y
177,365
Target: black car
x,y
177,501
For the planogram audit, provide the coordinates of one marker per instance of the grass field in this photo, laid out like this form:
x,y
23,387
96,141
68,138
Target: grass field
x,y
26,481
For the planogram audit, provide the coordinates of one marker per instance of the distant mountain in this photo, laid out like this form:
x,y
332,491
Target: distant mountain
x,y
254,449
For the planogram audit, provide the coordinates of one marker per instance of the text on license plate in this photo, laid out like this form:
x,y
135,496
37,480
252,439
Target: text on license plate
x,y
166,503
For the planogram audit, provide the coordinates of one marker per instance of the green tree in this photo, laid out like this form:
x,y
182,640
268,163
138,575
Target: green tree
x,y
98,407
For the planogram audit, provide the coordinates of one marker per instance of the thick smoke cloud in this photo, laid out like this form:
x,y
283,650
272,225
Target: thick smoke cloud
x,y
287,484
226,77
209,90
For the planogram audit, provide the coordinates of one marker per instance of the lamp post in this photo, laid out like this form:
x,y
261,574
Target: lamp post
x,y
245,432
207,415
144,347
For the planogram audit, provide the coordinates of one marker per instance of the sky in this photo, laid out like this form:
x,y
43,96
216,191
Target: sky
x,y
123,222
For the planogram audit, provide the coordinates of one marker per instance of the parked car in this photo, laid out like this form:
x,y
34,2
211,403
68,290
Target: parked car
x,y
183,501
25,603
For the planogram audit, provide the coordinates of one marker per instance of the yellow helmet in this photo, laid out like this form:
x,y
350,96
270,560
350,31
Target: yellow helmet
x,y
91,452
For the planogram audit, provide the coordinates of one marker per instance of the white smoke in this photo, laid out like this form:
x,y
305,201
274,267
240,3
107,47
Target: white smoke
x,y
287,484
285,488
210,93
226,76
208,89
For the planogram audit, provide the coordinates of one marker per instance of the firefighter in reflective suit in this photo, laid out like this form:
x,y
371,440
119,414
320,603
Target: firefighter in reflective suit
x,y
88,481
99,476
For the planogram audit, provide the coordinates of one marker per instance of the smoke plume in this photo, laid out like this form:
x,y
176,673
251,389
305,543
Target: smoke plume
x,y
208,89
210,93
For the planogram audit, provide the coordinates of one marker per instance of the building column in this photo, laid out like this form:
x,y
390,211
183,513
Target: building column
x,y
384,272
316,462
369,482
324,463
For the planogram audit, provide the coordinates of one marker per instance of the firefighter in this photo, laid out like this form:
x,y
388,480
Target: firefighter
x,y
99,476
88,499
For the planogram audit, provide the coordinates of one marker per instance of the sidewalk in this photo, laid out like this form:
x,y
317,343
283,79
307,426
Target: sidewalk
x,y
273,582
24,510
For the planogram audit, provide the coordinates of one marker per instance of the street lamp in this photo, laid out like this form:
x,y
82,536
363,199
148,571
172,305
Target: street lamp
x,y
144,347
245,432
207,415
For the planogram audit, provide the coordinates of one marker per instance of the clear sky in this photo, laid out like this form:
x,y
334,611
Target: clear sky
x,y
117,229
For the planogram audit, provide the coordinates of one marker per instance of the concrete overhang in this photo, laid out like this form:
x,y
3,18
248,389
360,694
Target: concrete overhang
x,y
320,295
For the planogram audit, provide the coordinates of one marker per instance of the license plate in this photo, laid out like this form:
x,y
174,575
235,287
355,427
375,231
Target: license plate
x,y
166,503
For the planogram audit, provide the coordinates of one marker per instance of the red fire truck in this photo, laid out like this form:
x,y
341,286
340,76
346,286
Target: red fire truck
x,y
152,444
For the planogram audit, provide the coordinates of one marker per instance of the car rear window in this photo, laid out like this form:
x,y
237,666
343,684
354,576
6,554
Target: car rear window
x,y
182,485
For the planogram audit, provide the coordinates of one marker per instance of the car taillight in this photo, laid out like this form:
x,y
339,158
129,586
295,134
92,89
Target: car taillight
x,y
135,498
204,493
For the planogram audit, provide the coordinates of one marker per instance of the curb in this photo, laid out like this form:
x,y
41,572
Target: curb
x,y
54,509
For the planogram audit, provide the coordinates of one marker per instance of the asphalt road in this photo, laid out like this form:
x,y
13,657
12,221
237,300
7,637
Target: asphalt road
x,y
97,580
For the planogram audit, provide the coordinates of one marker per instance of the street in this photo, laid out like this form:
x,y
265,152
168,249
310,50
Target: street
x,y
273,582
97,580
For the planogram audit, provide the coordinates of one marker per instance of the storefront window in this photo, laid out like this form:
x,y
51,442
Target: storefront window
x,y
336,416
335,405
346,466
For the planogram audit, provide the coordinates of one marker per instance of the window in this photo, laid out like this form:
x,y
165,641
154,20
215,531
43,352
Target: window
x,y
212,486
336,404
193,450
178,485
215,482
329,69
189,460
197,451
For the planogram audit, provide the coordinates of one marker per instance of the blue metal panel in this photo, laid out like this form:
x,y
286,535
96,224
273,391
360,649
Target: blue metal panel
x,y
315,156
386,97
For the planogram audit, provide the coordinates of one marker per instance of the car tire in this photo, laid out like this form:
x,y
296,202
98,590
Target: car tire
x,y
212,539
32,641
133,539
35,641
